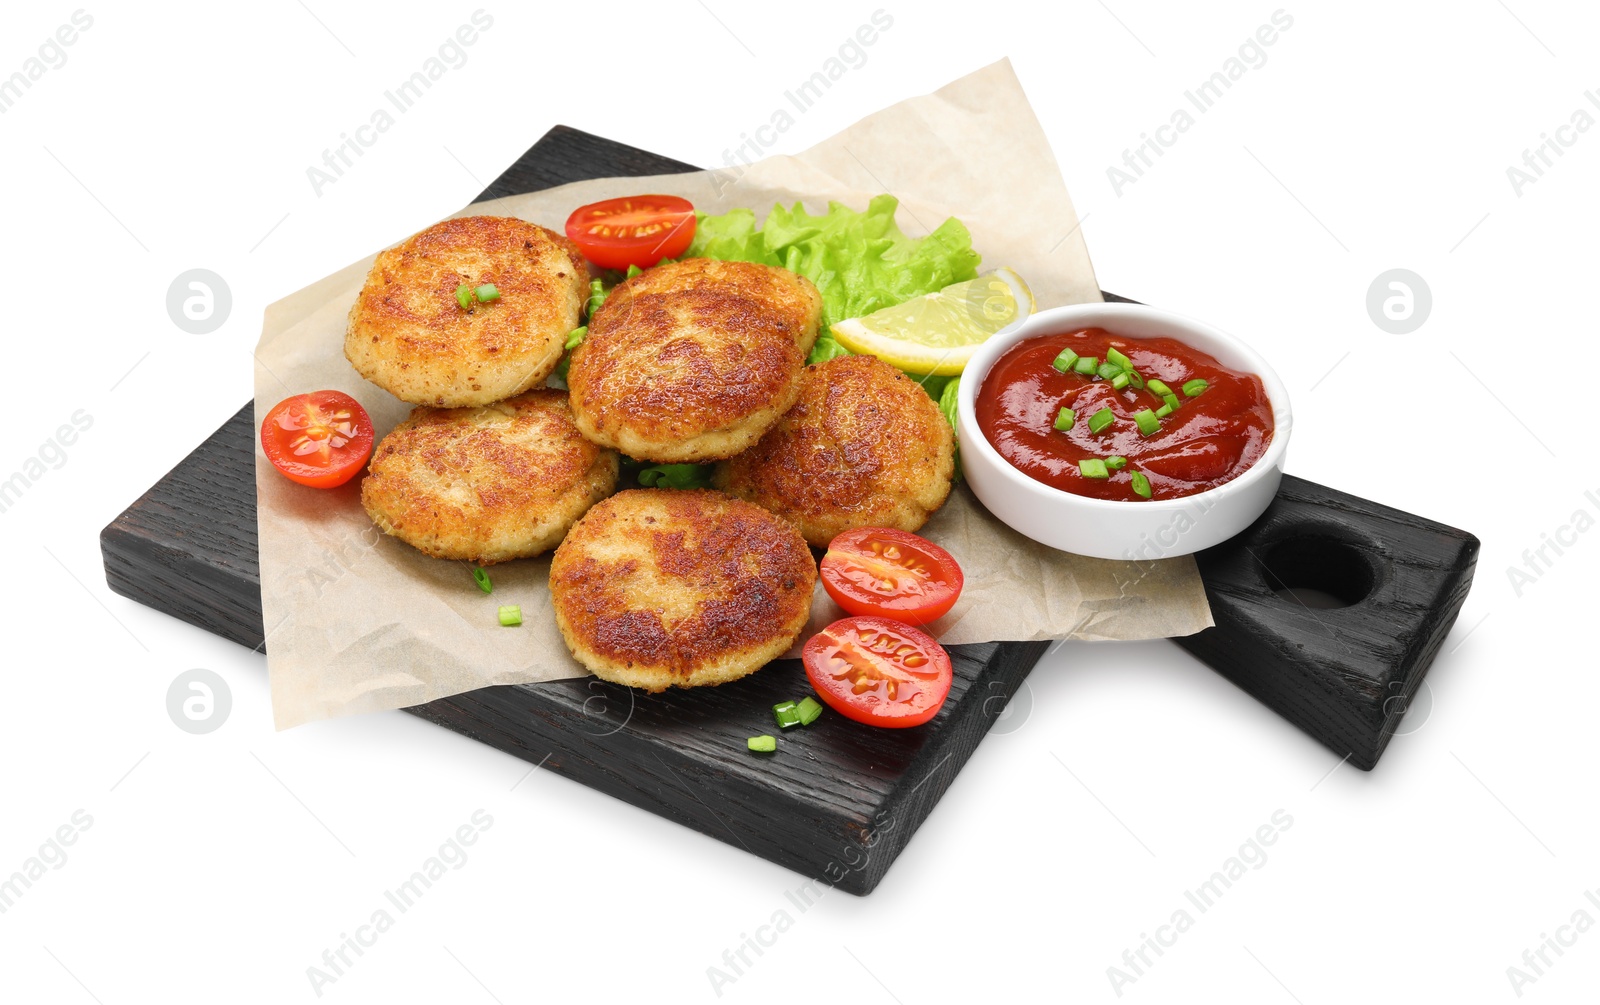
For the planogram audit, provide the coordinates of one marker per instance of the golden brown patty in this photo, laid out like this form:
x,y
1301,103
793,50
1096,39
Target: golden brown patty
x,y
487,484
788,293
863,446
409,336
693,360
657,588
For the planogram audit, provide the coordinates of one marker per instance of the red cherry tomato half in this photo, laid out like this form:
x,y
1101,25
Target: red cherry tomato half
x,y
637,230
878,671
891,574
321,439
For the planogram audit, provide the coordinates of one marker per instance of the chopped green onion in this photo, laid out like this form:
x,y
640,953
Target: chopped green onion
x,y
1195,387
1108,370
576,336
1100,421
1136,379
1065,418
597,296
1157,387
1093,467
762,744
1163,411
1171,400
1148,423
487,293
1064,361
810,709
511,615
633,270
1141,485
464,297
1114,355
786,713
1116,463
676,476
1086,365
1120,381
482,579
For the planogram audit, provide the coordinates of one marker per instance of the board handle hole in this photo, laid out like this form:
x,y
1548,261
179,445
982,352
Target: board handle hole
x,y
1321,573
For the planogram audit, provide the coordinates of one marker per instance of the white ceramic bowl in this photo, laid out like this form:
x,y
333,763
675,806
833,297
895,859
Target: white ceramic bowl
x,y
1103,528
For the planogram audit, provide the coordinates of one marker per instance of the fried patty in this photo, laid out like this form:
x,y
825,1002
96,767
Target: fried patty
x,y
693,360
658,587
787,293
487,484
410,336
863,446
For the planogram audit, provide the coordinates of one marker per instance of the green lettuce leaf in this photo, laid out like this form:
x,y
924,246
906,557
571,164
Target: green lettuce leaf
x,y
947,399
826,347
859,261
731,237
947,404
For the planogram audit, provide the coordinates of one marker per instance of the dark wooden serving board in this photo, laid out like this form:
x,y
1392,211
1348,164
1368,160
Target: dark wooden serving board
x,y
839,801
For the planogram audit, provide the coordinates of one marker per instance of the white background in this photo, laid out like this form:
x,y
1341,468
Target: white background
x,y
219,867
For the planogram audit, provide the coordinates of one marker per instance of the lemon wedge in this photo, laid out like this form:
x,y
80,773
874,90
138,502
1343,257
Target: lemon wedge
x,y
938,332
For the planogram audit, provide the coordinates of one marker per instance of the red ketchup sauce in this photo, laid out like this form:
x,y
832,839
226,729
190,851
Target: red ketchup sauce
x,y
1209,439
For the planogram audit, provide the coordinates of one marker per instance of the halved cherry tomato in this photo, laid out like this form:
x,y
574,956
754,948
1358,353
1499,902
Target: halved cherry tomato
x,y
321,439
891,574
878,671
636,230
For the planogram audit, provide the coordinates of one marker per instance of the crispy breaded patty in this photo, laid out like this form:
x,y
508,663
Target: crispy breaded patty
x,y
408,334
788,293
693,360
863,446
487,484
657,587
